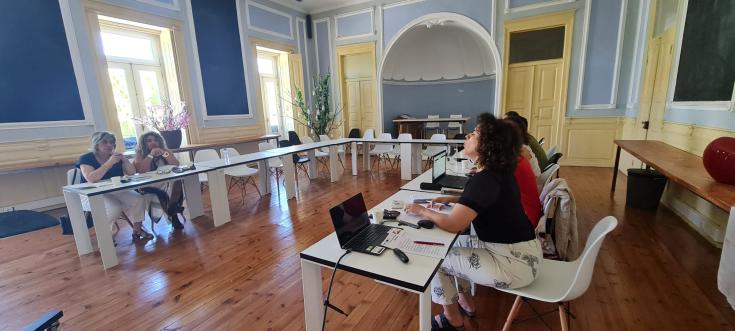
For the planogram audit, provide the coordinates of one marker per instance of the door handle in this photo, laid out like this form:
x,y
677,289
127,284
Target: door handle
x,y
645,124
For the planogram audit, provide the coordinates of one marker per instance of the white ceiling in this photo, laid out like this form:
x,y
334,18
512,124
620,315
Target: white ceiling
x,y
441,52
315,6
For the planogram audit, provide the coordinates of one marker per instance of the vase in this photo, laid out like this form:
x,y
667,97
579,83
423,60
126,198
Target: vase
x,y
719,160
172,138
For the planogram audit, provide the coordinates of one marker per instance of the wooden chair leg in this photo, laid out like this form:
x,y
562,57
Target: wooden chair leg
x,y
513,313
340,161
563,318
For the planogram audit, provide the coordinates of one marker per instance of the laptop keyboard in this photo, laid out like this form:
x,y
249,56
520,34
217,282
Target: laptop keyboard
x,y
371,236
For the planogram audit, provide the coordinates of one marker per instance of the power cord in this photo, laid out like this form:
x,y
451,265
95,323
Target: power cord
x,y
329,292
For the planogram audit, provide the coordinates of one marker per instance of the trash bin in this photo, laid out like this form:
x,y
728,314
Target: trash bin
x,y
645,188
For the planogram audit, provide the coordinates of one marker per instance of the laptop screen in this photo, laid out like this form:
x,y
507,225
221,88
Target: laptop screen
x,y
349,218
438,165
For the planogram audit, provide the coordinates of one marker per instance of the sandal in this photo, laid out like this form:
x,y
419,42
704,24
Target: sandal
x,y
141,235
445,325
470,314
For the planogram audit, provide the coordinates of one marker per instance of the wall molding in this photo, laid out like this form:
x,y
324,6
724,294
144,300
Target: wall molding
x,y
271,10
370,10
440,81
702,105
636,69
509,10
589,141
174,4
618,55
305,55
401,3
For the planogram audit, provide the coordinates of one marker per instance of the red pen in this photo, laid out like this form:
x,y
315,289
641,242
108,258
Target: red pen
x,y
428,243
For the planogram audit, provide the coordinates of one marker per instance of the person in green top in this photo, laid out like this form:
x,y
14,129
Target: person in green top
x,y
538,151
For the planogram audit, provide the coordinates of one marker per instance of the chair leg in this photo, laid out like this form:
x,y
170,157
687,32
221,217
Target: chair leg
x,y
340,161
513,313
257,189
563,317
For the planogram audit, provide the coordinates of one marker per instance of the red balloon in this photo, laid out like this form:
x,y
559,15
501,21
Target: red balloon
x,y
719,160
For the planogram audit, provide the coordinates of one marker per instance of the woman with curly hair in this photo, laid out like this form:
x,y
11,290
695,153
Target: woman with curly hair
x,y
505,252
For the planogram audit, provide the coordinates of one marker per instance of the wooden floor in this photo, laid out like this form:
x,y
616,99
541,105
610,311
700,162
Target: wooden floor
x,y
653,272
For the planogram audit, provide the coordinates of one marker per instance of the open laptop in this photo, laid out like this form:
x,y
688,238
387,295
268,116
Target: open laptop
x,y
354,230
439,173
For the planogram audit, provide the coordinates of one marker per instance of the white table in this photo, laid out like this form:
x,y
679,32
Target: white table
x,y
95,192
410,153
415,276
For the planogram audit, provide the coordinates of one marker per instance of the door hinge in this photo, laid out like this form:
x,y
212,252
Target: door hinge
x,y
645,124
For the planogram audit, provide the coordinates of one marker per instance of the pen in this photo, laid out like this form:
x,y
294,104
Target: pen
x,y
428,243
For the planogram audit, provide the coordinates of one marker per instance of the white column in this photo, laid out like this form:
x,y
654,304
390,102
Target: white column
x,y
311,281
335,171
366,156
218,197
312,164
193,196
78,223
263,176
102,230
353,150
425,310
289,174
406,160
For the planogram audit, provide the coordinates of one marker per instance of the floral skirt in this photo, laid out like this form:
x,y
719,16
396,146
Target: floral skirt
x,y
471,260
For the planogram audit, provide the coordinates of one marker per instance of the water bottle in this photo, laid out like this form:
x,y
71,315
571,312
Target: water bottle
x,y
226,155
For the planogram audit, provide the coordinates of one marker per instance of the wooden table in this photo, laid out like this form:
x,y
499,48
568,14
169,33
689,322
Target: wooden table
x,y
191,148
404,123
681,167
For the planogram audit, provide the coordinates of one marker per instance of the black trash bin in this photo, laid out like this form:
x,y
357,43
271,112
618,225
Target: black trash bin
x,y
645,188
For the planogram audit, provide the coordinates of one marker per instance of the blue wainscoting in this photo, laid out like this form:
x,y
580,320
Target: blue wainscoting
x,y
602,40
220,56
466,98
269,21
322,46
37,81
355,25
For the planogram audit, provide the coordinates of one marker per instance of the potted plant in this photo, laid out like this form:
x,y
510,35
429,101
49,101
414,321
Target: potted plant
x,y
319,117
168,119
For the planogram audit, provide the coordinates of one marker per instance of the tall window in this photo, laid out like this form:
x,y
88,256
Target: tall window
x,y
272,86
136,72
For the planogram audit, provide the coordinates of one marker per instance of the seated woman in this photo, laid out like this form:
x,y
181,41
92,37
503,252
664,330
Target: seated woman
x,y
151,154
529,140
505,253
104,163
526,151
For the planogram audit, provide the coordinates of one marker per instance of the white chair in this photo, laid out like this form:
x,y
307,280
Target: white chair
x,y
382,150
551,152
547,176
559,281
274,165
203,155
322,157
432,126
340,149
432,150
240,175
396,150
454,126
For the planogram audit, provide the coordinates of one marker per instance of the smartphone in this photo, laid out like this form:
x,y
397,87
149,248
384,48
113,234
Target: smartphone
x,y
421,200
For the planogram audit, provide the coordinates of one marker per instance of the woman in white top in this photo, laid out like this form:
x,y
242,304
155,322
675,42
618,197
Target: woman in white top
x,y
526,151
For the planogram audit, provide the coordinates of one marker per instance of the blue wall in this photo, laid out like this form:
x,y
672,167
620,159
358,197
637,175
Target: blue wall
x,y
602,39
354,25
269,21
220,56
468,98
37,81
321,31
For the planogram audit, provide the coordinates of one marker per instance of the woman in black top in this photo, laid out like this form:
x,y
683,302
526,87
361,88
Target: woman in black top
x,y
505,252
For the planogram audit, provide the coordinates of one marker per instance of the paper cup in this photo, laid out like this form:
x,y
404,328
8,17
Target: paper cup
x,y
117,180
378,216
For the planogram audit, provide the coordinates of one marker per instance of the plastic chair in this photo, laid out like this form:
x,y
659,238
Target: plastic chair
x,y
454,126
203,155
322,157
541,141
432,150
340,149
382,150
561,282
551,152
354,133
555,158
240,175
545,178
298,160
432,126
274,165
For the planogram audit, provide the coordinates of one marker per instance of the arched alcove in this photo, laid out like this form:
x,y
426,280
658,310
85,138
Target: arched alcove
x,y
441,63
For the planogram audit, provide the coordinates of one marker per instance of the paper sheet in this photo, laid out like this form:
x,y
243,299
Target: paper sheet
x,y
405,242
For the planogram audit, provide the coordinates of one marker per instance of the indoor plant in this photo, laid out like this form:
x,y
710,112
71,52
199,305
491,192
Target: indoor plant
x,y
319,117
168,119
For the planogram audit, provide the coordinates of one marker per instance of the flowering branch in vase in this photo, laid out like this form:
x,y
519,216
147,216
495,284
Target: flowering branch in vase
x,y
165,117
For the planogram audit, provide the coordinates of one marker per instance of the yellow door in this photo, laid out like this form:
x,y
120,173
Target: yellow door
x,y
661,83
367,104
546,100
295,71
520,89
353,111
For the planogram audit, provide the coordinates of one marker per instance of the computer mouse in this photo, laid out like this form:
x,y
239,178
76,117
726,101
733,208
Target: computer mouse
x,y
426,224
401,255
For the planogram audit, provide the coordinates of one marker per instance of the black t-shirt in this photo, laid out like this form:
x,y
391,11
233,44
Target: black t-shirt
x,y
90,160
496,199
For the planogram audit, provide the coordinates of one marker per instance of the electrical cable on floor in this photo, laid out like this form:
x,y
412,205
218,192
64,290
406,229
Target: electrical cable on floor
x,y
329,292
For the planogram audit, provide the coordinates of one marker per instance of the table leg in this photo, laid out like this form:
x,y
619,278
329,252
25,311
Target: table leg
x,y
425,310
218,197
263,177
406,160
354,158
193,196
416,164
102,230
366,156
289,174
78,223
334,168
615,169
312,166
311,281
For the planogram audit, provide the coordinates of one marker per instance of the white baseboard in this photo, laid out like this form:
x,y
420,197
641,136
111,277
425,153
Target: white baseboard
x,y
703,224
39,205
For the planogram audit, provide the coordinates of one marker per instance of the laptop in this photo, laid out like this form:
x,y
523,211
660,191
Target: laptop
x,y
439,173
354,230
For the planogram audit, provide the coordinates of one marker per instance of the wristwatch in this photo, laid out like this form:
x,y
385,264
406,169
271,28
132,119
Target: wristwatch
x,y
150,156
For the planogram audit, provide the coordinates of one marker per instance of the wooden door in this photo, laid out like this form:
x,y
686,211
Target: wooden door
x,y
545,103
296,77
519,89
367,105
649,77
353,105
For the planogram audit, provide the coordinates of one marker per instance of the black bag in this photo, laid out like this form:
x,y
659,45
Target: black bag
x,y
66,228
